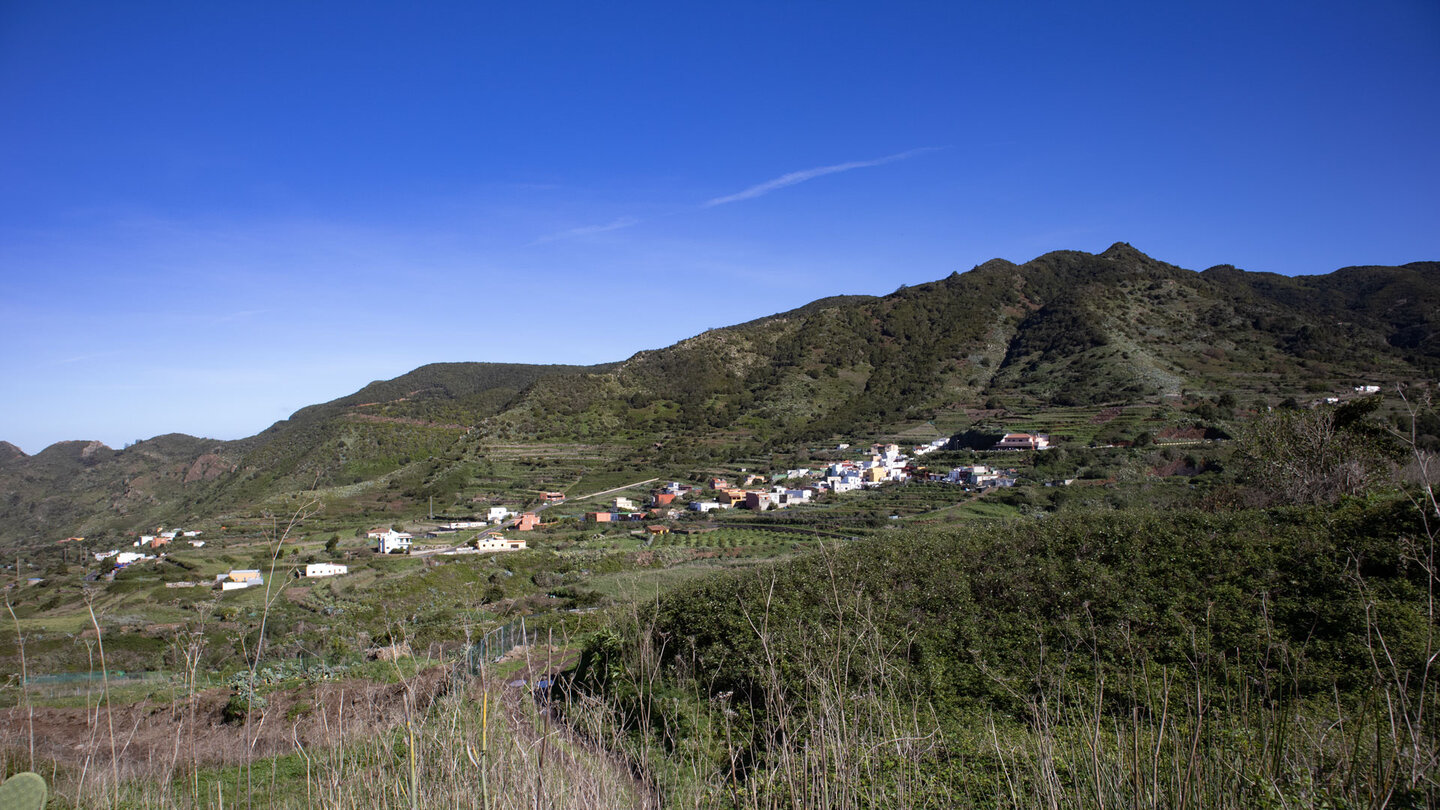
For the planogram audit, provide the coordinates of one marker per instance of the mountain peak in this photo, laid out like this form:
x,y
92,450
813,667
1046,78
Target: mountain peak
x,y
76,448
9,452
1122,251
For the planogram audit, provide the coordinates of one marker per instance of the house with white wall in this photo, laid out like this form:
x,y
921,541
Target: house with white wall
x,y
393,542
1023,441
495,542
239,579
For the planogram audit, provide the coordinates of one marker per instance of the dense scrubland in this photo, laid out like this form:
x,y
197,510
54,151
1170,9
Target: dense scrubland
x,y
1253,658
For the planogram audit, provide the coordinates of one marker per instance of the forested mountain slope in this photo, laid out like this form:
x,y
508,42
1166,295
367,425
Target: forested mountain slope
x,y
1065,329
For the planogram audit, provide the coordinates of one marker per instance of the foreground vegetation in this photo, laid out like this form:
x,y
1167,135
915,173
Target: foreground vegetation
x,y
1253,659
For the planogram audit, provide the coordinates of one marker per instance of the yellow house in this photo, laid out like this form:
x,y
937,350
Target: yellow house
x,y
239,579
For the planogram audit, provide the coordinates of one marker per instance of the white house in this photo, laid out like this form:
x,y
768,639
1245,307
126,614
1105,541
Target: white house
x,y
625,503
972,475
393,542
499,514
325,570
462,524
1023,441
704,506
497,543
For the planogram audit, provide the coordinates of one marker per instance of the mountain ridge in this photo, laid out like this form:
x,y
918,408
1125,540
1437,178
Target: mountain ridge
x,y
1065,329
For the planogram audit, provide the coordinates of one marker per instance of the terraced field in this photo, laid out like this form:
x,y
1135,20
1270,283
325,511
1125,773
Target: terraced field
x,y
761,541
1086,425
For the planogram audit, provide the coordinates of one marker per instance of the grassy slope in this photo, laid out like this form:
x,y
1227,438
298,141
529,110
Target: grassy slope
x,y
1082,624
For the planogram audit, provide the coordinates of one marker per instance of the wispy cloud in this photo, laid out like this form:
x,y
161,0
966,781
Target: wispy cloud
x,y
589,230
84,358
810,174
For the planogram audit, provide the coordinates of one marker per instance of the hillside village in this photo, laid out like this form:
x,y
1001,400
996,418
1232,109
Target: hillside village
x,y
676,500
885,463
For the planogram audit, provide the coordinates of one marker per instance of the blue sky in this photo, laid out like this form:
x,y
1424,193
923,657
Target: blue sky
x,y
212,215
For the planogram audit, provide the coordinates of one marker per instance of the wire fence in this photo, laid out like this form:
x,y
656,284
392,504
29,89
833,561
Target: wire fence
x,y
85,684
496,643
71,678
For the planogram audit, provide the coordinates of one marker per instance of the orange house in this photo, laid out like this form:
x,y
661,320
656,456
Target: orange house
x,y
528,521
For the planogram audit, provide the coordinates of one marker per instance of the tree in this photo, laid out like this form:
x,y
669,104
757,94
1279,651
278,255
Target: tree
x,y
332,544
1316,456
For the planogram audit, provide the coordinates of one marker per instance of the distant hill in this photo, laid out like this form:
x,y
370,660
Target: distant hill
x,y
1065,329
85,487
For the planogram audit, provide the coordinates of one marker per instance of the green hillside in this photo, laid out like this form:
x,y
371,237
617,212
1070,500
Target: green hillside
x,y
84,488
1066,329
1106,334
